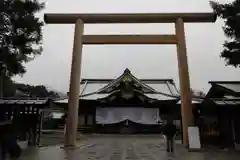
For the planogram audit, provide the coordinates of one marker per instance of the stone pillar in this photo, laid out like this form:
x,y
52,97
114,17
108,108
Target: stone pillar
x,y
72,116
183,79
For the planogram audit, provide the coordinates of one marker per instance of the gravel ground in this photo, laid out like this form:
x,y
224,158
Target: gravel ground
x,y
113,147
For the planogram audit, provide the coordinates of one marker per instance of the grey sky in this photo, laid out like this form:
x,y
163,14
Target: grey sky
x,y
204,44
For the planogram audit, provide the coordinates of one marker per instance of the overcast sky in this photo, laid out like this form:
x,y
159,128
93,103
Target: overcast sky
x,y
204,44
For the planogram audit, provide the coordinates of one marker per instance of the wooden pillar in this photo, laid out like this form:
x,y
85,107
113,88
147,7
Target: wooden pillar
x,y
181,129
41,114
183,79
35,118
72,116
85,119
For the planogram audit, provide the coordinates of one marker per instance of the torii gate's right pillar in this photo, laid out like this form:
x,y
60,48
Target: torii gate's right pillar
x,y
186,100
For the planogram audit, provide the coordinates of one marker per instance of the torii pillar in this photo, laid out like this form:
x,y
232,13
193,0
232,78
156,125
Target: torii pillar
x,y
79,39
73,100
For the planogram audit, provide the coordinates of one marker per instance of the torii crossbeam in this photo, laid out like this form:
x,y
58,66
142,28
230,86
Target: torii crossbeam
x,y
79,39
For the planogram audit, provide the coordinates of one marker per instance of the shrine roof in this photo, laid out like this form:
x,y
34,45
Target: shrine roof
x,y
230,85
224,93
23,101
165,86
159,89
219,89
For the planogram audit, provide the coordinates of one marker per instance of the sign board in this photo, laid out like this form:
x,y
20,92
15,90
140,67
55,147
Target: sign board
x,y
193,137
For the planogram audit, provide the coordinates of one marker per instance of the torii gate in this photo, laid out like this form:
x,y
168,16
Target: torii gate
x,y
79,39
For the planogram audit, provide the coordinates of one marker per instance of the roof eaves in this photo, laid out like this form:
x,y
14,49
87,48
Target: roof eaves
x,y
156,80
84,87
225,88
224,82
141,83
90,80
112,83
175,88
23,101
95,80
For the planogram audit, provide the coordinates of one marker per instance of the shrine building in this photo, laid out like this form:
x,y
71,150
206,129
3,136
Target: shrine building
x,y
126,104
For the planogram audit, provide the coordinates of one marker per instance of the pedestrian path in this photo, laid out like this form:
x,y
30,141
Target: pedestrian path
x,y
124,148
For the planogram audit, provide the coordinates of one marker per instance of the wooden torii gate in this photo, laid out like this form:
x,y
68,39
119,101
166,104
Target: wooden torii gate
x,y
79,39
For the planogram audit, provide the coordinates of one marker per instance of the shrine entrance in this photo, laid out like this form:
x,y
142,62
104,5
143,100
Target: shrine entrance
x,y
79,39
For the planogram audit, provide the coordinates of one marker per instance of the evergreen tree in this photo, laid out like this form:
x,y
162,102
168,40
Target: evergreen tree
x,y
230,13
39,91
20,36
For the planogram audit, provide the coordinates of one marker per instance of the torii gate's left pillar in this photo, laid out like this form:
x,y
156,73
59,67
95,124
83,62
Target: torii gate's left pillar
x,y
73,99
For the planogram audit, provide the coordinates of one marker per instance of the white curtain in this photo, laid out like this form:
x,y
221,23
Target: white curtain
x,y
137,115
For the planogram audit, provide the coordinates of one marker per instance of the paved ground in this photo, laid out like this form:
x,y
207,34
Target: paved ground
x,y
124,148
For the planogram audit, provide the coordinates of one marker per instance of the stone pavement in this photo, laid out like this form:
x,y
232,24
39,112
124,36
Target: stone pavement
x,y
124,148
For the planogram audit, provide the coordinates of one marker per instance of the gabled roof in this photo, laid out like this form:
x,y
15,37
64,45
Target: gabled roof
x,y
222,88
224,93
126,77
153,88
160,89
230,85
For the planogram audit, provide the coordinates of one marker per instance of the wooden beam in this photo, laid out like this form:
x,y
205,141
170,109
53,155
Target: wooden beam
x,y
129,39
60,18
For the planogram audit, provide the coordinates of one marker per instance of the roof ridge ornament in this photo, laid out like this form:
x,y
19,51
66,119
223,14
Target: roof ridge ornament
x,y
126,78
127,70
